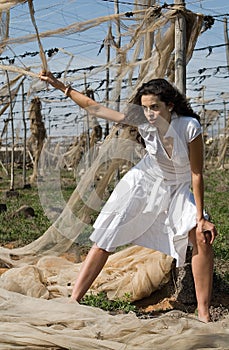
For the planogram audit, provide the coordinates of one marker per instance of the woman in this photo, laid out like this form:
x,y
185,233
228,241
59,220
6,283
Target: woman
x,y
152,205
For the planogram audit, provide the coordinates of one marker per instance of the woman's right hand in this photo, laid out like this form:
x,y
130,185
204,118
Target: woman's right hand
x,y
49,78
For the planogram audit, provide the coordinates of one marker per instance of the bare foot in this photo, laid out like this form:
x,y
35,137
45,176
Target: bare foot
x,y
204,317
71,301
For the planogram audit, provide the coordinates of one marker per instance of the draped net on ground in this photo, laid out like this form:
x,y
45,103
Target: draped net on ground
x,y
38,271
32,323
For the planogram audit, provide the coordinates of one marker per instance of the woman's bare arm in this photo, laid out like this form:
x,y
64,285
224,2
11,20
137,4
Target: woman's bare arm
x,y
196,163
82,100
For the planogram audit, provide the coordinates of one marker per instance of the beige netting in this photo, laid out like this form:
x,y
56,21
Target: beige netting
x,y
4,91
4,26
135,271
38,134
6,5
148,21
85,200
56,324
37,269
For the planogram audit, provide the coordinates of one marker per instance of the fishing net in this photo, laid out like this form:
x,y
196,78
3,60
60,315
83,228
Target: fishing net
x,y
38,272
57,324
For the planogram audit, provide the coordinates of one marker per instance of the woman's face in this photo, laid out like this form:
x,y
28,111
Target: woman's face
x,y
154,109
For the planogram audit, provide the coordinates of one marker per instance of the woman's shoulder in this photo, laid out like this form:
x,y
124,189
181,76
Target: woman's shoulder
x,y
186,123
185,120
187,127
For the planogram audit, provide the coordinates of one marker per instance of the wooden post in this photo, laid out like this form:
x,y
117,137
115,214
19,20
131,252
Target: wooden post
x,y
25,135
118,43
225,117
108,49
116,10
12,132
180,49
203,120
226,41
7,150
88,128
203,109
218,129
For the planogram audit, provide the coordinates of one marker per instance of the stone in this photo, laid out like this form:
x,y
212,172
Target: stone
x,y
26,211
3,207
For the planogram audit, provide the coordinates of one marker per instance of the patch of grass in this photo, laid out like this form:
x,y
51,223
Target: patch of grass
x,y
17,227
216,205
83,239
101,301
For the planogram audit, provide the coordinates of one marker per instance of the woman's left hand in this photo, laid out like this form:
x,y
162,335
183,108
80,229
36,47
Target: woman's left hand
x,y
206,228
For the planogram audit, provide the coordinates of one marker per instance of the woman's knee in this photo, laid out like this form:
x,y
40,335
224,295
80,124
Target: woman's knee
x,y
101,250
198,241
192,236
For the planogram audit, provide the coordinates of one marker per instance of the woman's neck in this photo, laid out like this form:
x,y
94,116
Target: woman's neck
x,y
163,126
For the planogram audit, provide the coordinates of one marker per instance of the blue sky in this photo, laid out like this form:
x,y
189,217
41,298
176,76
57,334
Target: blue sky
x,y
85,45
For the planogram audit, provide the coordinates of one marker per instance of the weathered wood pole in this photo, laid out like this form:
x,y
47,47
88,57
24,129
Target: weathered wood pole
x,y
180,47
226,41
12,135
25,135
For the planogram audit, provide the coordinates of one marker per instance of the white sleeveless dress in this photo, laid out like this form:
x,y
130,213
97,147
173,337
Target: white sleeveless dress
x,y
152,205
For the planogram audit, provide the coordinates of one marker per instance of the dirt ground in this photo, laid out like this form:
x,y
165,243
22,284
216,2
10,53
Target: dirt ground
x,y
159,302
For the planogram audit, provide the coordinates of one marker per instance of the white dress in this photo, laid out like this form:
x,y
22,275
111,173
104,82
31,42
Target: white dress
x,y
152,205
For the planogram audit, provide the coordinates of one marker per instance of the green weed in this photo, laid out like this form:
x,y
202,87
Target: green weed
x,y
216,205
101,301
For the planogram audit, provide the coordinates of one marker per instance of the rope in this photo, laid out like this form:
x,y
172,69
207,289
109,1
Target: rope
x,y
42,54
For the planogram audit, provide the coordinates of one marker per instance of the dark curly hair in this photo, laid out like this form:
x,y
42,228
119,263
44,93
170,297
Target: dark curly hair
x,y
167,93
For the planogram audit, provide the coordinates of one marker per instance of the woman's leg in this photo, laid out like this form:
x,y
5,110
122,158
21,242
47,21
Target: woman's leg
x,y
90,269
202,268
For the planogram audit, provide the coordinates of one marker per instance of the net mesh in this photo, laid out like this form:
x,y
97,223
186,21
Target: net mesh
x,y
38,271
